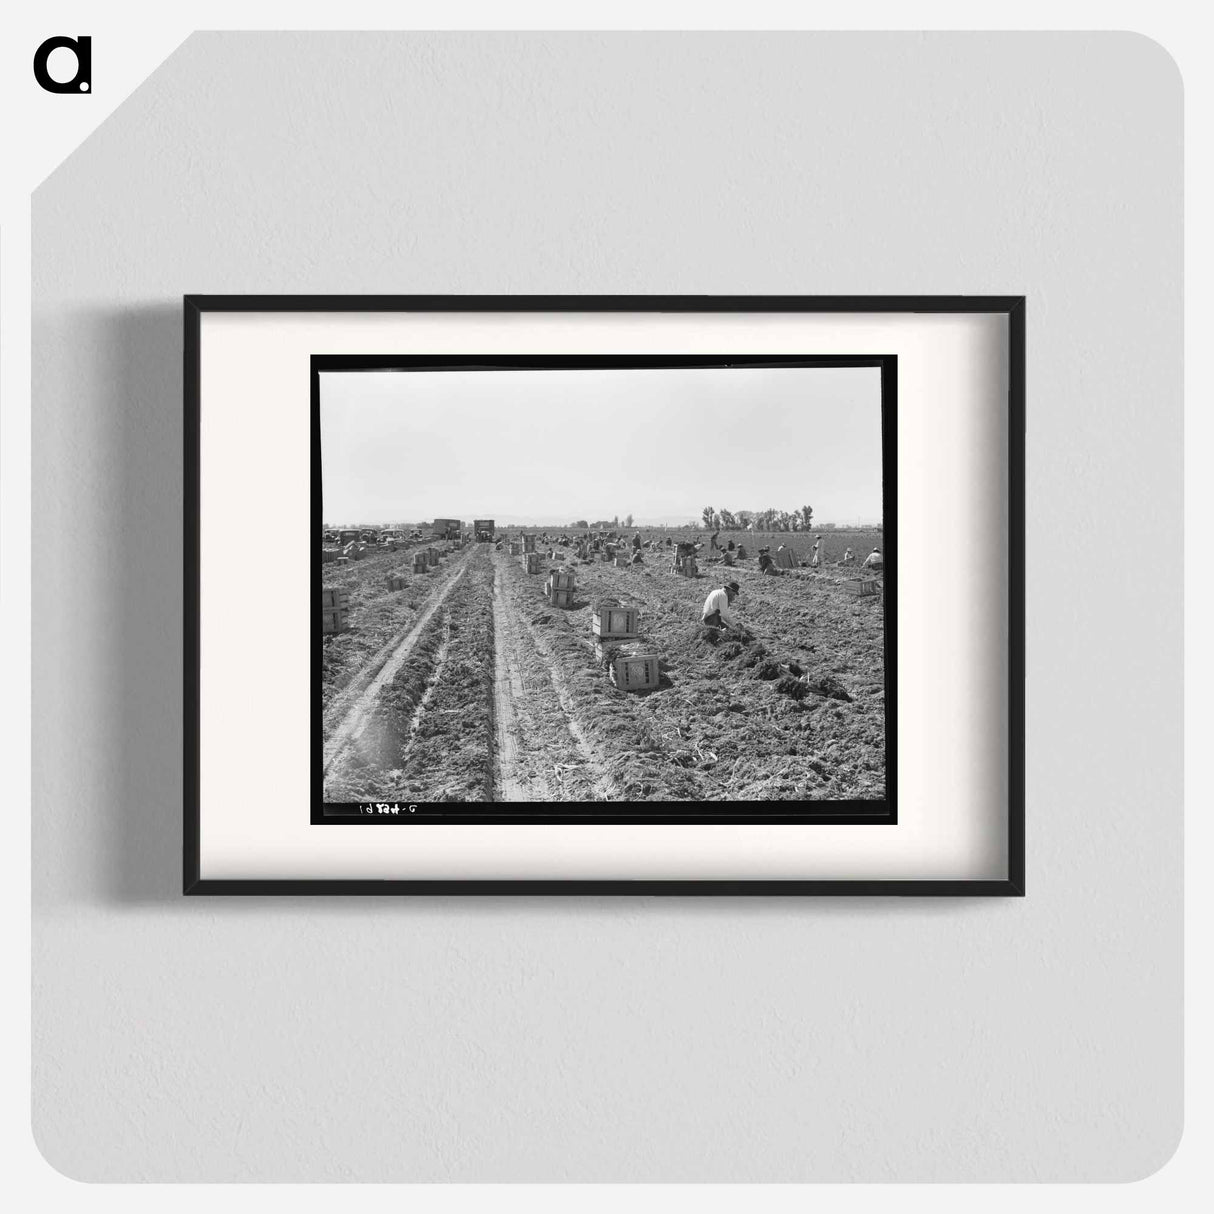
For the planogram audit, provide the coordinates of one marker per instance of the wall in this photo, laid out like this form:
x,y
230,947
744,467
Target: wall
x,y
626,1039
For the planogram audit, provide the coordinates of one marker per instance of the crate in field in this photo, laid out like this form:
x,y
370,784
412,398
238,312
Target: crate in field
x,y
622,562
334,621
421,562
397,581
615,622
529,543
862,587
334,610
686,567
531,561
560,598
635,672
432,556
516,549
561,581
328,555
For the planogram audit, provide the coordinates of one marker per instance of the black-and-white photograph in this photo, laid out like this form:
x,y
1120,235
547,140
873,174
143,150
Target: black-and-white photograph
x,y
580,584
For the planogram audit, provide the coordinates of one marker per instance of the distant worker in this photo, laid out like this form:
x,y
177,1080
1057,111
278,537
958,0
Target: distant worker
x,y
766,564
637,558
716,613
849,557
816,559
741,552
729,547
636,541
874,560
712,543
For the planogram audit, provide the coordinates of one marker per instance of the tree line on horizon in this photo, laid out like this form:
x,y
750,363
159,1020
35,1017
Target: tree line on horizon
x,y
770,519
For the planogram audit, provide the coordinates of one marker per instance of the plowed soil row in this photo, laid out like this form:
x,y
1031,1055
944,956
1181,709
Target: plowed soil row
x,y
427,737
379,619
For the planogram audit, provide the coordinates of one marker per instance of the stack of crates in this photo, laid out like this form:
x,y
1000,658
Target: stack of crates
x,y
531,560
421,562
631,663
397,581
516,549
687,567
559,588
334,610
432,556
529,543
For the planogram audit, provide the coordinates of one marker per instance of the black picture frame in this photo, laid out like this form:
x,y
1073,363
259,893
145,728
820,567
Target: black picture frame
x,y
1011,307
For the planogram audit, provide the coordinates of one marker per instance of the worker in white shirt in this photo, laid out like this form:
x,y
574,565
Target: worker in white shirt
x,y
849,557
716,613
874,559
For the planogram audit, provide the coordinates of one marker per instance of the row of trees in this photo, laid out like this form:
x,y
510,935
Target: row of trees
x,y
762,520
602,524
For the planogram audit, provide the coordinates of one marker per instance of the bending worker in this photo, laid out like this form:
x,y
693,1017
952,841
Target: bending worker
x,y
716,613
873,560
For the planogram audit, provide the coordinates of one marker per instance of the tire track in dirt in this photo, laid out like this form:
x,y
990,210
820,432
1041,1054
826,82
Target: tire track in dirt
x,y
359,705
516,631
357,683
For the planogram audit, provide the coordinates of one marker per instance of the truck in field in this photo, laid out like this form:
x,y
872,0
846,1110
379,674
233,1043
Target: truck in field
x,y
446,528
482,530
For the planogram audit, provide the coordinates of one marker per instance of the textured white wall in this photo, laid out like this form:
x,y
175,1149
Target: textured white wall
x,y
626,1039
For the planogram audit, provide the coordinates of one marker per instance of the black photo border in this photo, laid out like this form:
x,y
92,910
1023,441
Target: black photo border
x,y
882,812
1012,307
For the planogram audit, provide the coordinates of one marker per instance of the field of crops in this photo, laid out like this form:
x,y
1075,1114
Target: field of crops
x,y
468,686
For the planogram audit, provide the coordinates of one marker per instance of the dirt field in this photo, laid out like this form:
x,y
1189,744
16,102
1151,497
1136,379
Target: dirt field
x,y
468,686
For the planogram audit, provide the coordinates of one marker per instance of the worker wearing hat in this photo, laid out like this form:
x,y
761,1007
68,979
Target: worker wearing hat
x,y
874,560
716,612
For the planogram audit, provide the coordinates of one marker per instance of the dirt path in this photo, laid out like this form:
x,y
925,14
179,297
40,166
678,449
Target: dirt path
x,y
511,783
542,751
350,714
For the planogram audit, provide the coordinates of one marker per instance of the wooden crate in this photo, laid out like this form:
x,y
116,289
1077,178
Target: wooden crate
x,y
420,563
560,598
862,587
397,581
562,581
334,620
529,543
615,622
635,673
335,599
432,556
622,562
516,549
687,567
531,561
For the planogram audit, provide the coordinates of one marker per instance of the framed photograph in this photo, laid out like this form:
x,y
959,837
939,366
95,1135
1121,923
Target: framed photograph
x,y
604,595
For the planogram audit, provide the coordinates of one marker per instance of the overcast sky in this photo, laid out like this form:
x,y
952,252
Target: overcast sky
x,y
556,446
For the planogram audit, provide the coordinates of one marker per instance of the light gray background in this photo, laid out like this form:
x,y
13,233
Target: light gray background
x,y
630,1039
